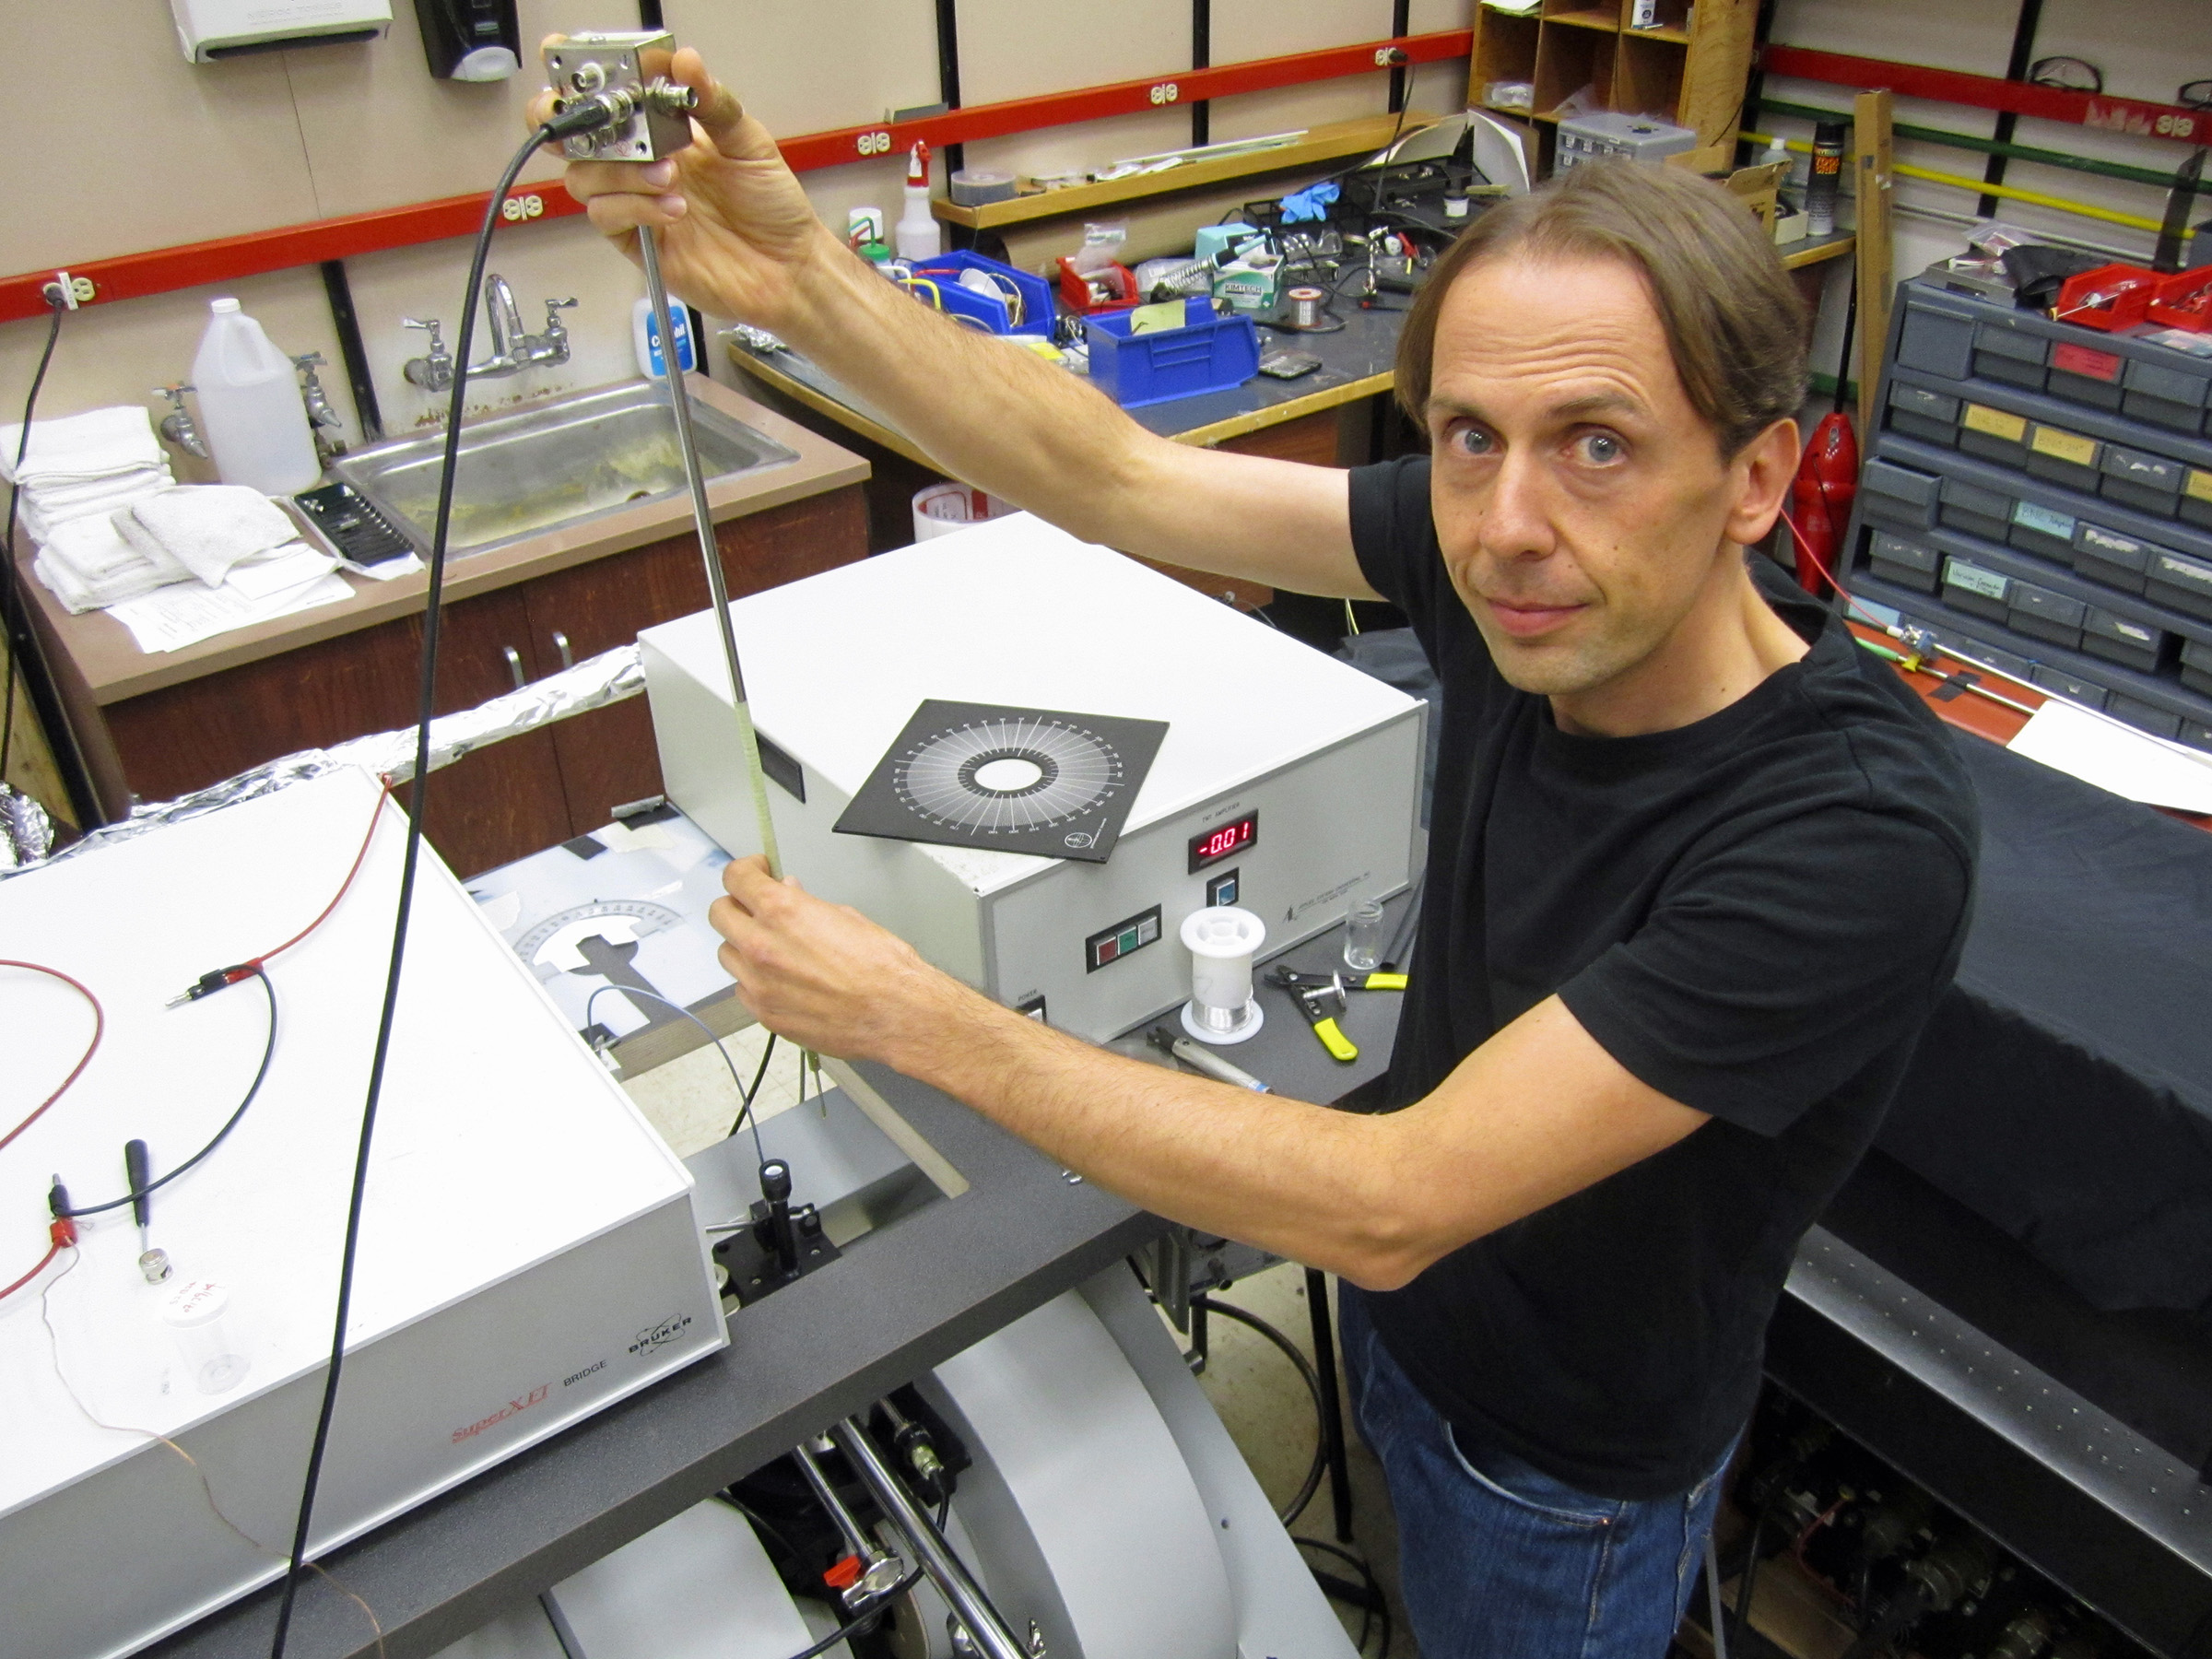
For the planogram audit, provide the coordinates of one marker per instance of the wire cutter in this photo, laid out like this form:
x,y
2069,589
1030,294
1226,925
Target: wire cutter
x,y
1321,998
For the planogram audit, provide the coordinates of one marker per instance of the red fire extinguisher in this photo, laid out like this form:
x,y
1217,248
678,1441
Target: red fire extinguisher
x,y
1828,477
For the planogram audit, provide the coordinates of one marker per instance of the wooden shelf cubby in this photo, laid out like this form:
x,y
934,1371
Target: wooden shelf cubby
x,y
1689,70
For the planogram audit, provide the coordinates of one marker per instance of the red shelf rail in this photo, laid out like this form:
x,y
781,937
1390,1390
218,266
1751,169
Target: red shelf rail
x,y
165,270
2176,122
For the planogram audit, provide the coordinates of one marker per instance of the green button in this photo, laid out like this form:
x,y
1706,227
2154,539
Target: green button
x,y
1127,941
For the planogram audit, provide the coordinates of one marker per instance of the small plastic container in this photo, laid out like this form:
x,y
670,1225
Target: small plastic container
x,y
1222,941
1077,295
195,1311
941,509
250,406
2109,298
645,338
1365,932
1206,354
1028,312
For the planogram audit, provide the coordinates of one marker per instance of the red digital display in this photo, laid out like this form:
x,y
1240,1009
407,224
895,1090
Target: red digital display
x,y
1214,845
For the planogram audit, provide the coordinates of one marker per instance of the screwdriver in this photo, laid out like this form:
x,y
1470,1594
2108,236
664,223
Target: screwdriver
x,y
138,1170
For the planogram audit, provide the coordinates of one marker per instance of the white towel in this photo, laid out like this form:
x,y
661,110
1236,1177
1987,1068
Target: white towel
x,y
207,527
267,574
40,516
96,444
94,550
78,597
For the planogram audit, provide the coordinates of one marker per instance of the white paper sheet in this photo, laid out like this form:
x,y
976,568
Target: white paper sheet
x,y
2129,763
184,612
282,569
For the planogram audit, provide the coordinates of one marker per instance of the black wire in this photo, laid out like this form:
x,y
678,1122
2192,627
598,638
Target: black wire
x,y
1744,1584
12,594
426,706
267,1053
745,1095
1296,1506
1376,1599
853,1626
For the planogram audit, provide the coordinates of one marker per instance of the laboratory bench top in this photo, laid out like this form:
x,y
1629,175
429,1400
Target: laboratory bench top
x,y
1356,363
940,1277
107,662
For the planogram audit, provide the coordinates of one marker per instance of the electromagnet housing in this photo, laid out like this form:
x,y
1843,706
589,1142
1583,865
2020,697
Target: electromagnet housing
x,y
529,1251
1286,770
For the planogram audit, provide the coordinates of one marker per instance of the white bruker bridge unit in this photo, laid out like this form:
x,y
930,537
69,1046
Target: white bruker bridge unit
x,y
1286,782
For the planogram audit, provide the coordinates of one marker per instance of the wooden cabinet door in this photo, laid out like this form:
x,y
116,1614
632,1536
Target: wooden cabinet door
x,y
608,756
496,805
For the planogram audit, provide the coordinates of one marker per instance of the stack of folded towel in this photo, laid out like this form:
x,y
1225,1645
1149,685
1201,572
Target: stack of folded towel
x,y
82,465
215,532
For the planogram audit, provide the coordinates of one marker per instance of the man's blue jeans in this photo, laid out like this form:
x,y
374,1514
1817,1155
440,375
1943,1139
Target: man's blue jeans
x,y
1503,1561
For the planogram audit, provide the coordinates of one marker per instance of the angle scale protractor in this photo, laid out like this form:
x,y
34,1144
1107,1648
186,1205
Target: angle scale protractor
x,y
553,941
1037,781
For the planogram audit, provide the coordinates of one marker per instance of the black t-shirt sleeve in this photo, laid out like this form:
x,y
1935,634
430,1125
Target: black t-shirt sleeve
x,y
1770,972
1393,533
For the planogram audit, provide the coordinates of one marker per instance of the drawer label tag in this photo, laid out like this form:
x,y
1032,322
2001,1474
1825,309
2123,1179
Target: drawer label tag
x,y
2085,360
2199,485
2029,516
1974,579
1981,418
2064,445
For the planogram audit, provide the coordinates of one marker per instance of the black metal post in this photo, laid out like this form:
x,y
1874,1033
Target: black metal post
x,y
1202,57
1401,23
1332,1404
2015,69
649,15
353,349
949,75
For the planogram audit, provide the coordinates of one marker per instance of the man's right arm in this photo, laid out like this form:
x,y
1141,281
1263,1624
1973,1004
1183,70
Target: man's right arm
x,y
739,238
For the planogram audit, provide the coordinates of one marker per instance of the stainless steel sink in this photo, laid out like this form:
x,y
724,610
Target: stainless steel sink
x,y
558,463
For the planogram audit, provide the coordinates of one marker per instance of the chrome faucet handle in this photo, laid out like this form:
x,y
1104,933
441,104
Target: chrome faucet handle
x,y
315,359
433,325
554,327
174,392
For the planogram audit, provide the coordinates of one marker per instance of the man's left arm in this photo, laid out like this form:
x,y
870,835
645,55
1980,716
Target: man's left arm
x,y
1537,1112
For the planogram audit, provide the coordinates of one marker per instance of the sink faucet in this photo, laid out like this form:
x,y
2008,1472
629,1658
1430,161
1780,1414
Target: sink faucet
x,y
512,349
322,419
177,425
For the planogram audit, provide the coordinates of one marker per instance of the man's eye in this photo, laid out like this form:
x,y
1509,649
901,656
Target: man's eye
x,y
1472,440
1601,449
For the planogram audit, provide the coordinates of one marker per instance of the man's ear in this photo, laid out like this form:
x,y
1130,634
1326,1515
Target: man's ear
x,y
1760,478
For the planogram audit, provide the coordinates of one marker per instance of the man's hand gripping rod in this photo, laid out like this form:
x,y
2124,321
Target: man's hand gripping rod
x,y
645,118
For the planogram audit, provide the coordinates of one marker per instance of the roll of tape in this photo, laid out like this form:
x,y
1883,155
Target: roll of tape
x,y
976,187
1305,307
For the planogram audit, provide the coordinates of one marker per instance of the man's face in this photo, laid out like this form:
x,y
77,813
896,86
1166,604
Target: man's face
x,y
1581,502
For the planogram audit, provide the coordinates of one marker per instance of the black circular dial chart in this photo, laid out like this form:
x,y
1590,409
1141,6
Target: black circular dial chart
x,y
1036,781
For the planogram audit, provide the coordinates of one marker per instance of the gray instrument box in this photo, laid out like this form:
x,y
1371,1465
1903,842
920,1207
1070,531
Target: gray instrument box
x,y
1608,134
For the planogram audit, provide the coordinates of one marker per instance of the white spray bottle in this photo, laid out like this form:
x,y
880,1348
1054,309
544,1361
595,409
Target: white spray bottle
x,y
919,236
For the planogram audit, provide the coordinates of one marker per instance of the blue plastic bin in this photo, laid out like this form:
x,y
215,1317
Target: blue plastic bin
x,y
1206,354
992,312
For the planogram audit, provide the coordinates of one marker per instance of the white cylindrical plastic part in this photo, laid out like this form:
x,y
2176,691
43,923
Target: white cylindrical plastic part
x,y
195,1311
1222,942
941,509
250,406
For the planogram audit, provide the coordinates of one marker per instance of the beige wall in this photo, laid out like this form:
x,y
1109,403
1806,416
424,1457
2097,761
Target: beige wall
x,y
190,153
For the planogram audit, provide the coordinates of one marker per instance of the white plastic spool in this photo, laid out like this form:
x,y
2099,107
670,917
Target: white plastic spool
x,y
1222,941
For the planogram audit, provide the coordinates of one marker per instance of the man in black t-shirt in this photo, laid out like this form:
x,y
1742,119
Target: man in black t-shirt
x,y
1700,867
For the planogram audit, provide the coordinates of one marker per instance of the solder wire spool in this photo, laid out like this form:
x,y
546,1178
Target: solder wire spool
x,y
1306,307
1222,942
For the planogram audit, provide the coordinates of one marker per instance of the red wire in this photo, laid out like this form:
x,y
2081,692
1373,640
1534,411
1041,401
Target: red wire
x,y
375,818
52,1250
1805,547
100,1026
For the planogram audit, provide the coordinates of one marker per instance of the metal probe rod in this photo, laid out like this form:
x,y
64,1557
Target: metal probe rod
x,y
680,403
969,1606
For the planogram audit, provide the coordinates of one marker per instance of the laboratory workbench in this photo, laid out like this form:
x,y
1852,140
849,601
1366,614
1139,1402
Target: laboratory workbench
x,y
1356,363
905,1298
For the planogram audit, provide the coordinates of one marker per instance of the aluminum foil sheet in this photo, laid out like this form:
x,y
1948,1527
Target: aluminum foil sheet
x,y
26,832
609,677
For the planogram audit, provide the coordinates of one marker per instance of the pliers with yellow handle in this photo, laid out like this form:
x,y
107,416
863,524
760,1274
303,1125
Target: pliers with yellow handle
x,y
1320,998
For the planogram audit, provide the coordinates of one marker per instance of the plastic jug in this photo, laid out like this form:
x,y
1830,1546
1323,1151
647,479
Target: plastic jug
x,y
250,406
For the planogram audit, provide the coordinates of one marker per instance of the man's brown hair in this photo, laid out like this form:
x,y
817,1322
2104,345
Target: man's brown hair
x,y
1733,322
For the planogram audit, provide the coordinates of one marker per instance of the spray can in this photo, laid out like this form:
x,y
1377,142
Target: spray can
x,y
918,234
1827,175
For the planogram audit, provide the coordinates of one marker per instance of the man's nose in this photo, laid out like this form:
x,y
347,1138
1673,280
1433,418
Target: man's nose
x,y
1516,520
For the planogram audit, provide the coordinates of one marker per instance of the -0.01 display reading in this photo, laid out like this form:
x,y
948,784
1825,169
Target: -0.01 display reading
x,y
1213,845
